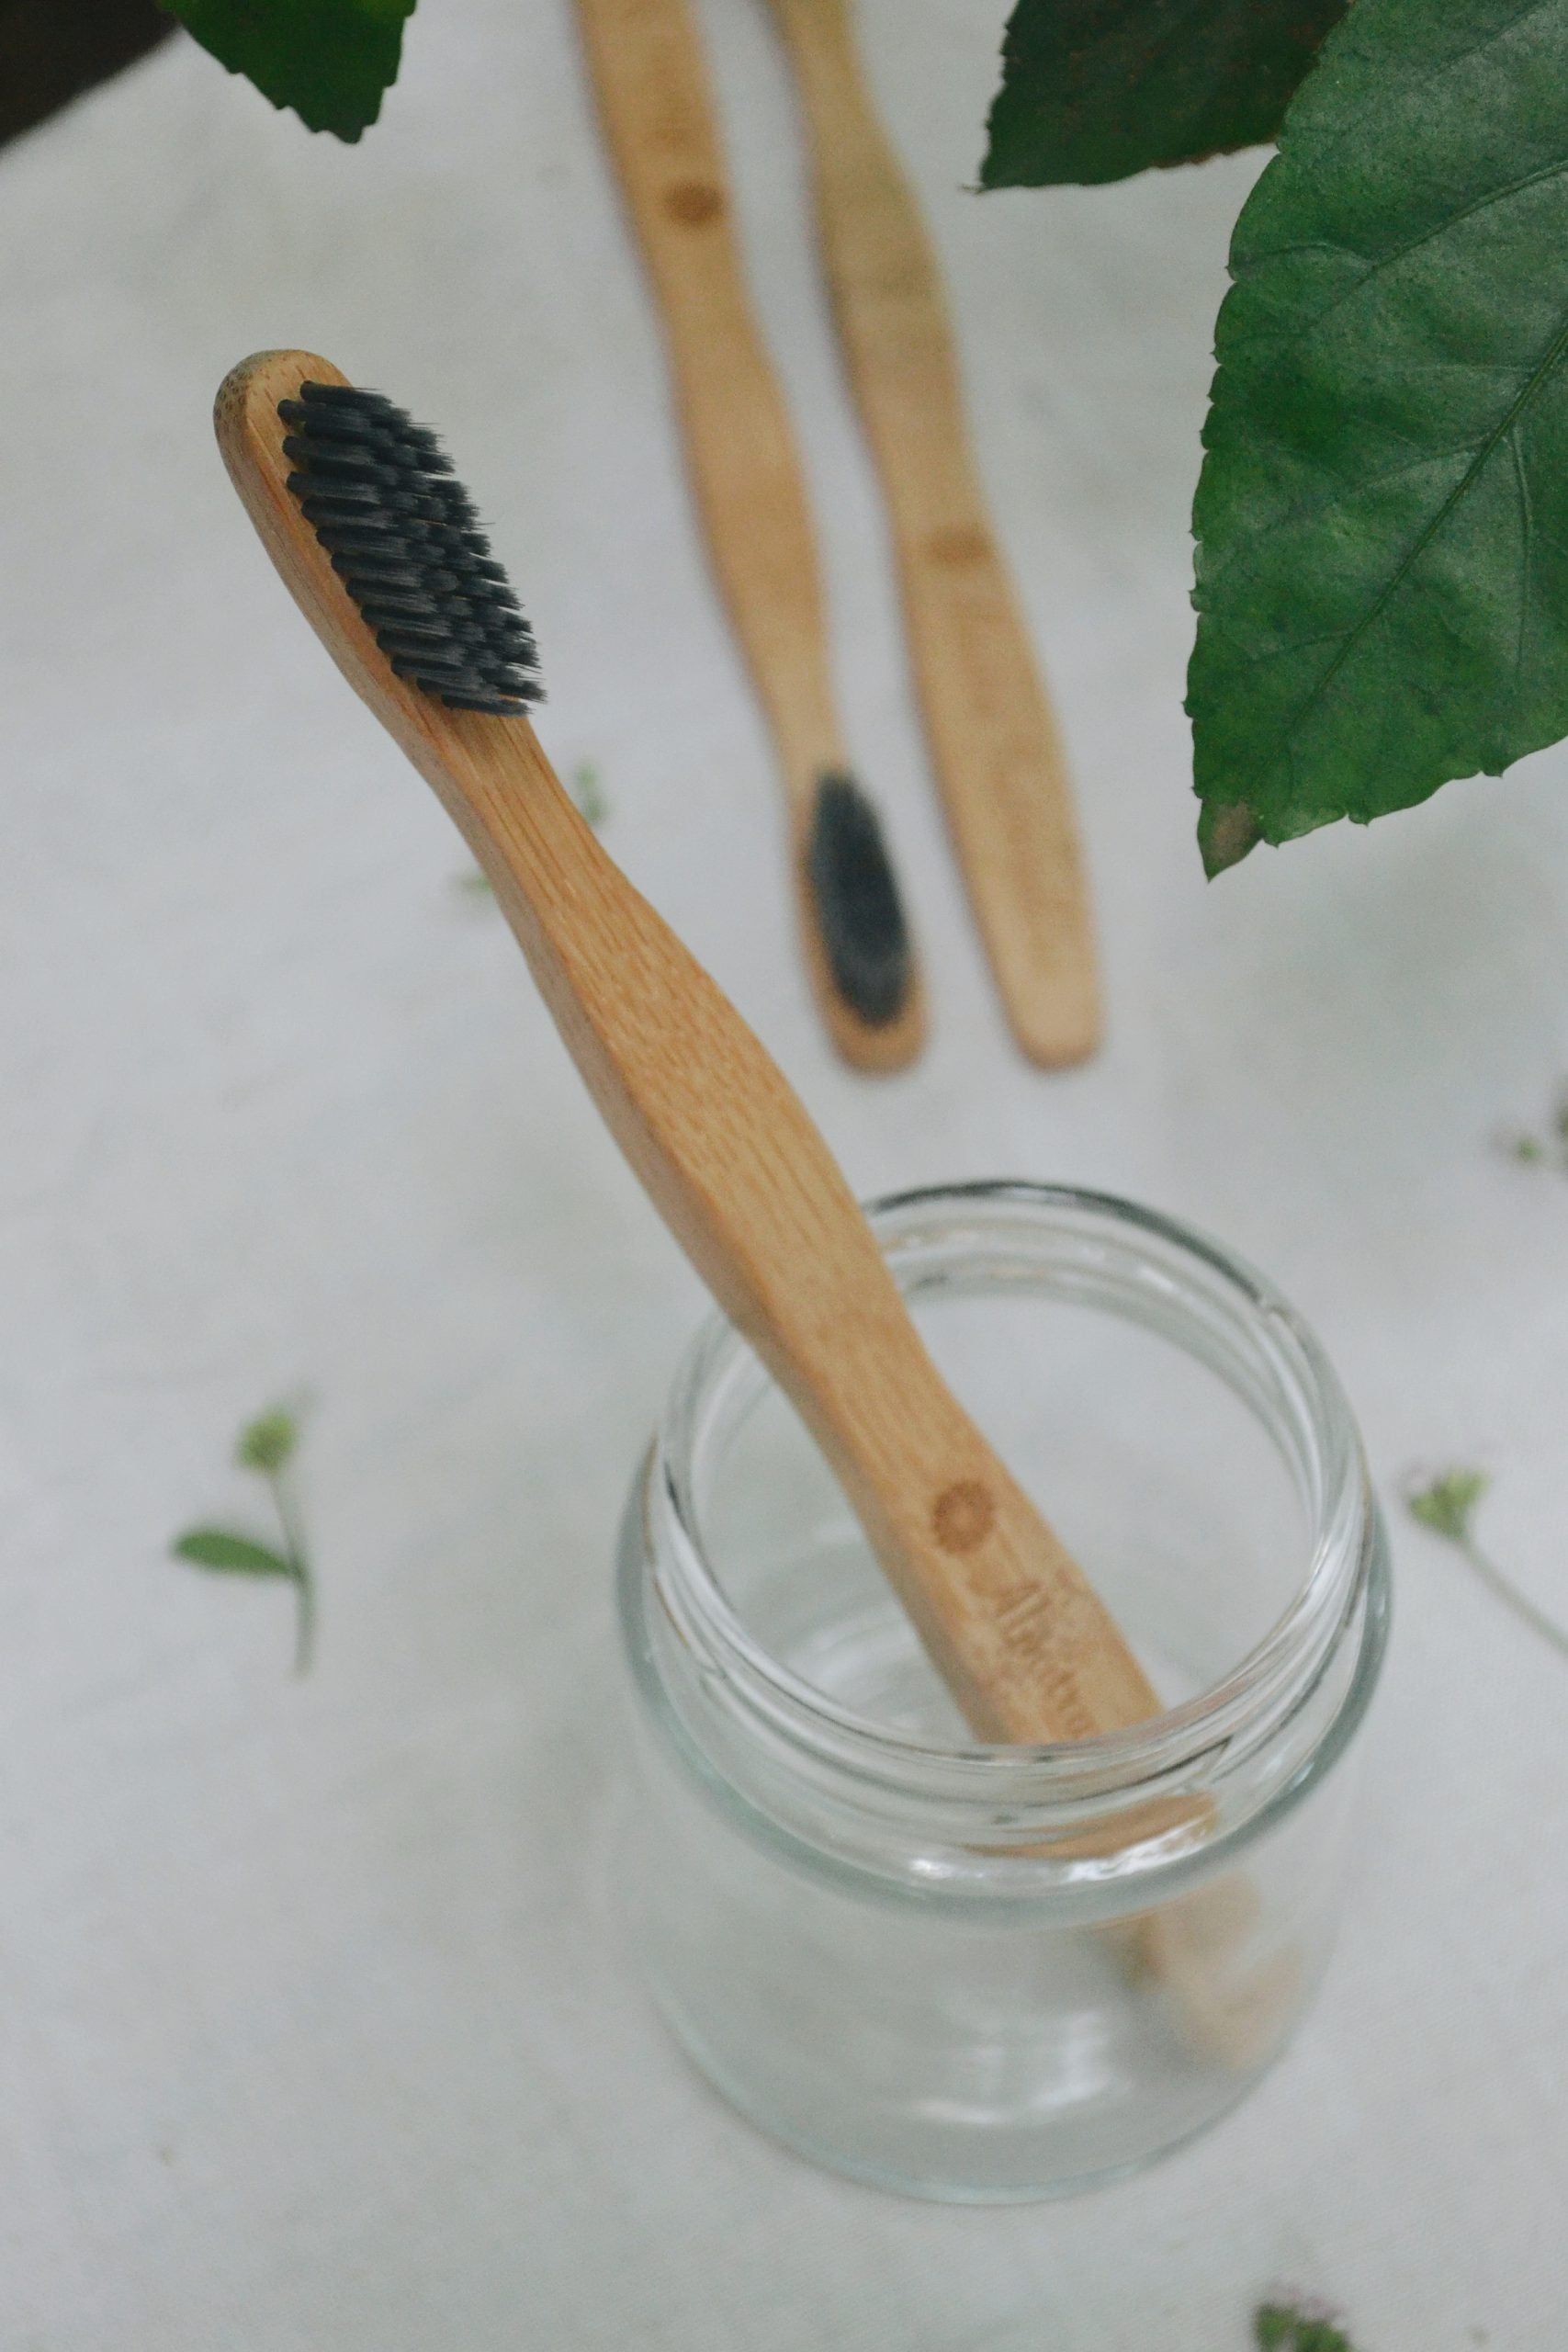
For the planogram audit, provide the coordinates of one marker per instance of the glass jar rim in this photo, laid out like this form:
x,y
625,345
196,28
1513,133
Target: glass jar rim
x,y
1181,1746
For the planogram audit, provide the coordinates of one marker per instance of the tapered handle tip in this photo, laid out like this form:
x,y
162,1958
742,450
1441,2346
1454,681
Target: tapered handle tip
x,y
1062,1030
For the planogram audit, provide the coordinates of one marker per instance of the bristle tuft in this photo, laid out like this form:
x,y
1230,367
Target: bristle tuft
x,y
859,913
404,538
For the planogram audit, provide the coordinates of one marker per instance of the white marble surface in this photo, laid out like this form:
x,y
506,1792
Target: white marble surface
x,y
314,2028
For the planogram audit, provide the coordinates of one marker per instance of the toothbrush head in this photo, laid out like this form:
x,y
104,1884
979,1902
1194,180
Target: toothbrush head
x,y
859,913
403,535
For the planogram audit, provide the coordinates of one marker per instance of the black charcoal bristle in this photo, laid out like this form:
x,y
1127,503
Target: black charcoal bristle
x,y
858,909
405,540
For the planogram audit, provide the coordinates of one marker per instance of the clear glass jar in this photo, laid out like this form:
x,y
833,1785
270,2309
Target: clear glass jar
x,y
1002,1972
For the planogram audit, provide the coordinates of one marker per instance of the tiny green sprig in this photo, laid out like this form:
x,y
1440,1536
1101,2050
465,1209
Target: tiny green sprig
x,y
1540,1151
267,1443
1525,1146
1446,1506
1277,2327
265,1446
588,791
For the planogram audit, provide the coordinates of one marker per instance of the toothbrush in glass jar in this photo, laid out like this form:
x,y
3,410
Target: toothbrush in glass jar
x,y
380,547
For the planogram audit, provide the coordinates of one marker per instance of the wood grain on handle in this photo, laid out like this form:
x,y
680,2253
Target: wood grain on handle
x,y
735,1166
650,78
993,740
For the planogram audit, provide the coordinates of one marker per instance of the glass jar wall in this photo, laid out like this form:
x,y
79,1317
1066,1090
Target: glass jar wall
x,y
1001,1973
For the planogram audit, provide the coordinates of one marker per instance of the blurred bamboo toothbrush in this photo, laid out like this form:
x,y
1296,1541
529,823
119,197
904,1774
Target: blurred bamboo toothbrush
x,y
651,81
379,545
993,740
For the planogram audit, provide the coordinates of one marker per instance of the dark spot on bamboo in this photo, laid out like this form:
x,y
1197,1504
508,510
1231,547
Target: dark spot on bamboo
x,y
958,544
963,1515
693,203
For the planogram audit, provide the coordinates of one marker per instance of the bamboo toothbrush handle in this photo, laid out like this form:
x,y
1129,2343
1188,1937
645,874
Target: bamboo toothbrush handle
x,y
993,740
652,82
735,1166
746,1184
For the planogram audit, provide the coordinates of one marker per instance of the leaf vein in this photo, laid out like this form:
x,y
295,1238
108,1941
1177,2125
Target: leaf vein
x,y
1423,539
1376,265
1522,482
1306,510
1355,130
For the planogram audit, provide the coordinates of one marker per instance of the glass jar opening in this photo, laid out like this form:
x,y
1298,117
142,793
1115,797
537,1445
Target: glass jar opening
x,y
1173,1416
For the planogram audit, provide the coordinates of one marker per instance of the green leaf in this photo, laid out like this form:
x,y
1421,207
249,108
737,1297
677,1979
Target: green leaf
x,y
1098,89
1448,1503
1279,2329
211,1547
1383,517
267,1443
330,60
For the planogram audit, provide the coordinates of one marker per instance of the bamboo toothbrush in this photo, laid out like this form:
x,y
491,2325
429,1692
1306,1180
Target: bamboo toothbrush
x,y
648,71
993,742
377,544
